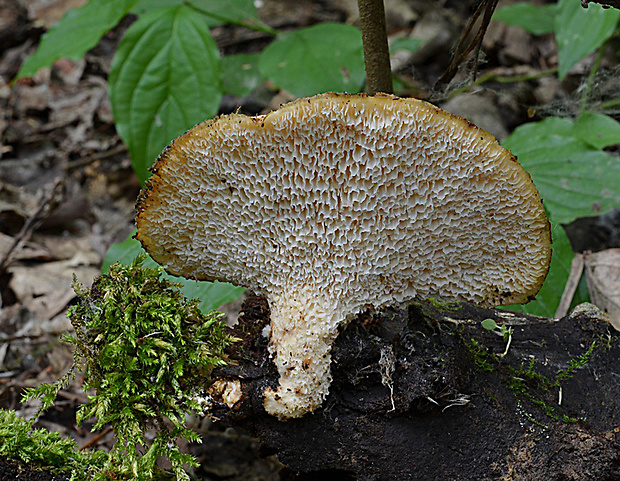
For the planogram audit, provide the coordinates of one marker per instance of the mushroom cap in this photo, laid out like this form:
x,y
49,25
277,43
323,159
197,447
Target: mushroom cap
x,y
336,202
372,200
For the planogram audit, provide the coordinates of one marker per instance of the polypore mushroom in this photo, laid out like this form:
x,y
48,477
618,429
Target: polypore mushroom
x,y
337,202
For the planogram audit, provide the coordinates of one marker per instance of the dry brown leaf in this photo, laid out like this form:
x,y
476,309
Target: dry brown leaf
x,y
28,251
576,270
603,278
72,104
46,13
46,289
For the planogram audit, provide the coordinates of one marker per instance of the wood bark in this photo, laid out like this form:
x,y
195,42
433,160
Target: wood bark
x,y
426,394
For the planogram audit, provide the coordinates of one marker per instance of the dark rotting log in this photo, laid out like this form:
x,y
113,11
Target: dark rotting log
x,y
427,393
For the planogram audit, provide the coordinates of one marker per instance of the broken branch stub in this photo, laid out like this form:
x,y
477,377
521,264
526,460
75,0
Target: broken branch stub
x,y
337,202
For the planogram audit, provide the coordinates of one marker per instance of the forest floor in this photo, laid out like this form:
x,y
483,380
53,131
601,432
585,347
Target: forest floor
x,y
67,189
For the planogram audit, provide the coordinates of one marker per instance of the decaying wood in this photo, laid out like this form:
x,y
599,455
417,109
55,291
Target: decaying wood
x,y
425,394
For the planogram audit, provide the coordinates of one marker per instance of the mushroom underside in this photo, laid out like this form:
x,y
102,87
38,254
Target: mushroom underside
x,y
337,202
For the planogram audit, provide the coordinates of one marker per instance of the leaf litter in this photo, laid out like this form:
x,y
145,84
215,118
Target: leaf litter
x,y
57,127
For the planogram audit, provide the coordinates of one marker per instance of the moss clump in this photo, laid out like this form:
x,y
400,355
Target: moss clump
x,y
442,306
431,305
44,449
145,350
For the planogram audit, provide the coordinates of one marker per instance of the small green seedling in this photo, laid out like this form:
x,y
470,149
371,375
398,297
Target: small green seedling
x,y
504,331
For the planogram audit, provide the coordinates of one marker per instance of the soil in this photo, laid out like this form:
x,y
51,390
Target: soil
x,y
67,192
9,470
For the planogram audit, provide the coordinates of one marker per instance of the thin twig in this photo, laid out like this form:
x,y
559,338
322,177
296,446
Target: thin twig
x,y
485,9
119,149
96,439
46,205
376,50
5,338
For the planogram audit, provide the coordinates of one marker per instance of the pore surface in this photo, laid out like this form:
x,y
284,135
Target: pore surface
x,y
359,197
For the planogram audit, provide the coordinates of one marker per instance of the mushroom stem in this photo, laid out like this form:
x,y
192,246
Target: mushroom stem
x,y
376,50
304,325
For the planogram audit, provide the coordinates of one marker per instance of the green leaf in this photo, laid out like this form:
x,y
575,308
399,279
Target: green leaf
x,y
143,7
598,130
580,31
489,324
548,298
228,11
533,133
574,178
76,33
216,12
165,78
211,295
537,20
321,58
410,44
240,74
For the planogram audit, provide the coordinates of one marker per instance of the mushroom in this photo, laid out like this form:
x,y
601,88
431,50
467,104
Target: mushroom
x,y
338,202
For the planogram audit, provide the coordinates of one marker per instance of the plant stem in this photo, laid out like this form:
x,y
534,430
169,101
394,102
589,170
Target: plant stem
x,y
481,16
376,51
590,81
608,104
94,440
494,77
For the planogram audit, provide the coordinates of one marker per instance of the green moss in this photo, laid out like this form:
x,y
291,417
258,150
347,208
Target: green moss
x,y
480,356
442,306
574,365
145,350
44,449
533,391
429,308
527,384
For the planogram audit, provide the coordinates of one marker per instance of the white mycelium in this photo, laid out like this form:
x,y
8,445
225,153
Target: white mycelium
x,y
337,202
